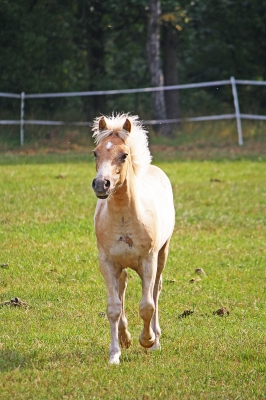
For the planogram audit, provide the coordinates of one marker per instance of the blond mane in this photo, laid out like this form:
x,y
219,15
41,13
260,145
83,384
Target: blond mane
x,y
136,140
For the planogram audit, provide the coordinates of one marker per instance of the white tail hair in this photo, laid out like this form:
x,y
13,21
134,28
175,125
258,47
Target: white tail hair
x,y
136,139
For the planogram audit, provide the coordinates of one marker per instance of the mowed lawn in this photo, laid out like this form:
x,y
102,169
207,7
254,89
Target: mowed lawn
x,y
57,347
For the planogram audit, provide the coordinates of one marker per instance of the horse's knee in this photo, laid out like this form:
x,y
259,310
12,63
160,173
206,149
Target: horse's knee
x,y
146,309
114,311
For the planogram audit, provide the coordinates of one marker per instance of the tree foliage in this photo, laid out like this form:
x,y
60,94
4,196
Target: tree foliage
x,y
63,45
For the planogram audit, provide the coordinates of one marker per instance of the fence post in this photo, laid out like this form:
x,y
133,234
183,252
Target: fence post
x,y
22,119
237,112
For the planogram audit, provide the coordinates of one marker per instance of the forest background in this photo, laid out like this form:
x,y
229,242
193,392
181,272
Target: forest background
x,y
82,45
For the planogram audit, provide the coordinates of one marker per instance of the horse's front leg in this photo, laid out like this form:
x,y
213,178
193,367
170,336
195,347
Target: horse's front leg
x,y
123,334
147,305
114,305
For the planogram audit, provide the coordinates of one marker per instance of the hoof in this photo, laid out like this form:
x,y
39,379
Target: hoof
x,y
148,344
114,360
155,347
124,339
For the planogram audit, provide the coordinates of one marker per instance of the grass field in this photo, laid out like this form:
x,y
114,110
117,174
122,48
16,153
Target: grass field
x,y
57,347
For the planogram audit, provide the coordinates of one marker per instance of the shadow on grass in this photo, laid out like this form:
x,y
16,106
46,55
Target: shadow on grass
x,y
11,360
214,141
13,158
160,153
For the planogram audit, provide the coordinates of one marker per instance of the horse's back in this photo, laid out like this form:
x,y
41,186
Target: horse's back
x,y
158,176
159,184
158,193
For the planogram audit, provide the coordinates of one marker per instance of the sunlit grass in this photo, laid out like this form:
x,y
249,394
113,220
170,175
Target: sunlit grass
x,y
58,346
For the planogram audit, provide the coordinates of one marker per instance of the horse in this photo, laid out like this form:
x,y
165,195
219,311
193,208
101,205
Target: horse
x,y
134,221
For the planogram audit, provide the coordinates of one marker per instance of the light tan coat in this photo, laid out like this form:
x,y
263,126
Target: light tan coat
x,y
134,221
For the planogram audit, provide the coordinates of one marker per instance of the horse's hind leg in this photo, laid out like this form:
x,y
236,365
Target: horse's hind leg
x,y
147,274
123,334
162,257
155,319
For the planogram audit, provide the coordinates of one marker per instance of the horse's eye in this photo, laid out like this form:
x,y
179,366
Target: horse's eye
x,y
94,154
124,156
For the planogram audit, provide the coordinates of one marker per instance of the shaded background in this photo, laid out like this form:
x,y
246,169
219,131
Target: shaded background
x,y
80,45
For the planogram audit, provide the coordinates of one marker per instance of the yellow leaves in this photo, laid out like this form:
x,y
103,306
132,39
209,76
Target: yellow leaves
x,y
169,17
176,18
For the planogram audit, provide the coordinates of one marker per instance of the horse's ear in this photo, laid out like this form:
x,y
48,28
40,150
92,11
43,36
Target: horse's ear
x,y
102,124
127,125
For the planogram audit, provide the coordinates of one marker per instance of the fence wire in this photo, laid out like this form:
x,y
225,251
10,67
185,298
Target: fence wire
x,y
232,81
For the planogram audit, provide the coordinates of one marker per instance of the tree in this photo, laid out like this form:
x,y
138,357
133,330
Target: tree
x,y
223,39
172,20
63,45
38,53
154,62
90,39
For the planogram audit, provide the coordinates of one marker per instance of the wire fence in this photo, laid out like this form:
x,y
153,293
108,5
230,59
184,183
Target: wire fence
x,y
232,81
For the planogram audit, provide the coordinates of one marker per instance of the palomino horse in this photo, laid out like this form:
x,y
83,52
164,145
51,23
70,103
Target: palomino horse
x,y
134,221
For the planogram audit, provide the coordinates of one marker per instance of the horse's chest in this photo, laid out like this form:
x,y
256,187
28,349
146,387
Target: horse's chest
x,y
125,240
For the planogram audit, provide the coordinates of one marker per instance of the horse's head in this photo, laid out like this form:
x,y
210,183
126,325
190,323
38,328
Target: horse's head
x,y
112,157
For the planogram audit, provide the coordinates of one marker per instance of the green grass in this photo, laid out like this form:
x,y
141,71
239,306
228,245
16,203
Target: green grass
x,y
58,347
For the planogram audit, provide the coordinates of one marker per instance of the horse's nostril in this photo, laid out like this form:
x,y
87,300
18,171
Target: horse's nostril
x,y
106,184
100,185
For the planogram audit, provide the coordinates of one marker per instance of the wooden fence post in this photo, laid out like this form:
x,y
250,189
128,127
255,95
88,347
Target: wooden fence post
x,y
22,119
237,112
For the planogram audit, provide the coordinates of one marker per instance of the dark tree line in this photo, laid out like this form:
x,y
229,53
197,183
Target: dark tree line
x,y
78,45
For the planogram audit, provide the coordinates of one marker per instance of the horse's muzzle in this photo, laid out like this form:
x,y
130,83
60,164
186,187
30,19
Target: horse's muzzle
x,y
101,187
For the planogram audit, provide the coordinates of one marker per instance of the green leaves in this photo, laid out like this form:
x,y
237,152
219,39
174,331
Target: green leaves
x,y
56,45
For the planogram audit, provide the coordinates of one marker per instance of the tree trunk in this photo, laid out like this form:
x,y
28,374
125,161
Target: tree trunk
x,y
95,56
156,74
170,43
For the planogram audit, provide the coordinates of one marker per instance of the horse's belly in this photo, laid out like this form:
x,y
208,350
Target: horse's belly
x,y
125,258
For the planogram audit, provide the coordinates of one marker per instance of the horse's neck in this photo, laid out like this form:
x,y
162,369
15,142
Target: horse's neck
x,y
125,196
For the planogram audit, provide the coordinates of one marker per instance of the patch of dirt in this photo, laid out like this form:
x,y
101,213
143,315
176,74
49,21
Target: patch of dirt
x,y
221,312
170,281
200,271
193,280
215,180
185,314
102,314
15,302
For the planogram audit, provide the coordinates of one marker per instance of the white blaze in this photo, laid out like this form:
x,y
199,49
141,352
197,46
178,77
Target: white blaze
x,y
109,145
